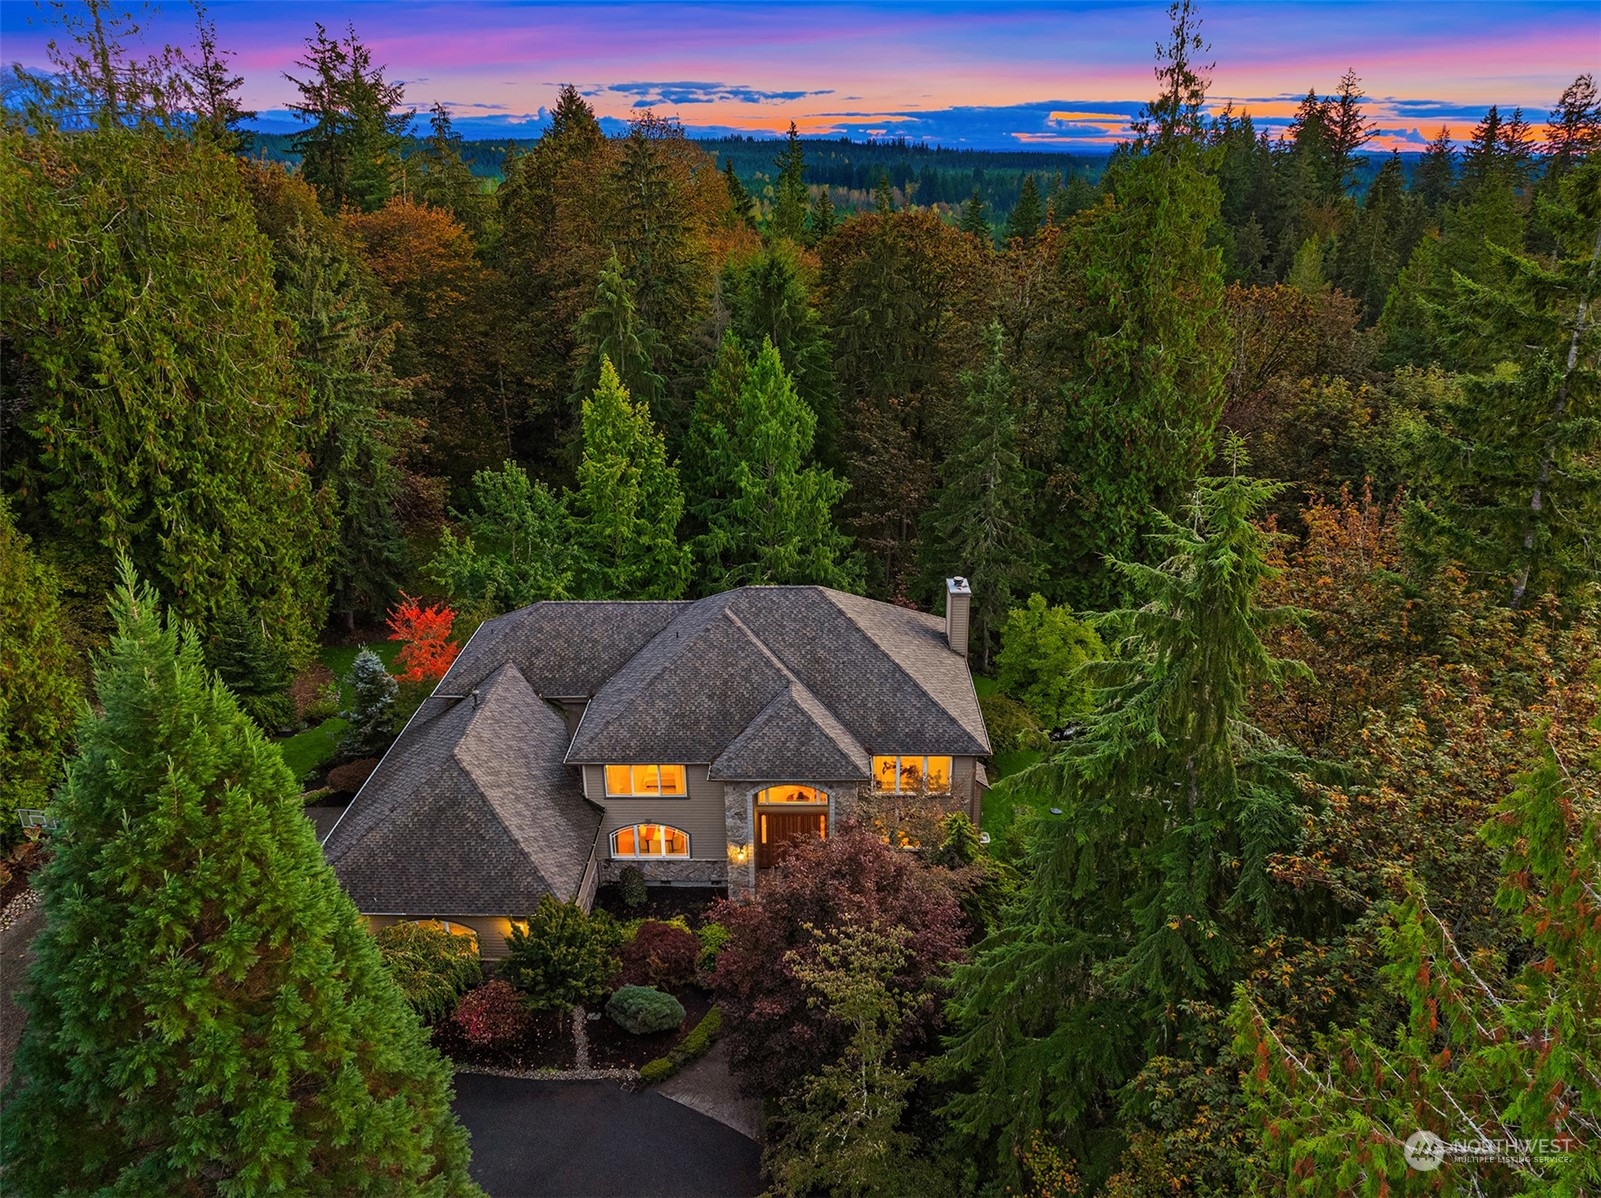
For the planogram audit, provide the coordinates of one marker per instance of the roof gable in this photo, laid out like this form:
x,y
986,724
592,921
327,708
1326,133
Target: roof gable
x,y
794,737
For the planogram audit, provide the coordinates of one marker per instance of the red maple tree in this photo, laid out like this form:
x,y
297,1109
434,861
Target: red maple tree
x,y
428,650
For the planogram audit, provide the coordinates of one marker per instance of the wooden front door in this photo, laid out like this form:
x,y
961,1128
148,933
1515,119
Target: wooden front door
x,y
776,829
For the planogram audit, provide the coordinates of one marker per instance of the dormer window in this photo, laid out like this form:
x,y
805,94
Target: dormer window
x,y
645,781
905,774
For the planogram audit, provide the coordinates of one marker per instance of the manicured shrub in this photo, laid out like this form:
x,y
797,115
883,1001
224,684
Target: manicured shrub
x,y
431,966
631,882
712,937
492,1015
774,1036
644,1009
372,715
562,956
660,955
691,1048
347,779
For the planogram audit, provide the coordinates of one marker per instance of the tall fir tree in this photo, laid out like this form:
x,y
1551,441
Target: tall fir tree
x,y
979,524
352,146
1143,898
628,502
738,197
789,206
251,665
1434,179
774,521
239,1032
1140,419
1023,222
214,89
822,220
1573,128
447,181
612,331
975,219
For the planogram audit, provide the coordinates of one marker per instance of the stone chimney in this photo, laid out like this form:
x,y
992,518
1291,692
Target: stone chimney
x,y
958,607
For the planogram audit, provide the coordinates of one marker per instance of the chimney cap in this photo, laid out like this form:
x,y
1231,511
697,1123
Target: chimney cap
x,y
958,586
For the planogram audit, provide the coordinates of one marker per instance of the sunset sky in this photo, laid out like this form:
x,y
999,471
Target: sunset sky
x,y
996,75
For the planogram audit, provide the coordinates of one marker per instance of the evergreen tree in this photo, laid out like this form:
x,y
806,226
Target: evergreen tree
x,y
703,467
613,331
214,89
1517,149
151,403
1372,248
1435,177
351,150
1139,423
979,524
739,198
447,182
1145,896
1515,491
1484,159
822,220
251,665
775,524
38,694
372,711
1573,131
342,352
518,547
98,82
883,195
975,220
628,503
789,209
1023,223
1348,127
239,1032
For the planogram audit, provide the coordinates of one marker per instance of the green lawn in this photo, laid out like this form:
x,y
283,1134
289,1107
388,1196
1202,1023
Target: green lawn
x,y
1000,807
307,751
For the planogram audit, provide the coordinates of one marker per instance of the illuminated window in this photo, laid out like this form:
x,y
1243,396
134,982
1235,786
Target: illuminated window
x,y
649,840
791,794
645,781
903,774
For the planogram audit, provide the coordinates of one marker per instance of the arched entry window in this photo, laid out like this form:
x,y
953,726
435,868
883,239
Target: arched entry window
x,y
792,794
649,840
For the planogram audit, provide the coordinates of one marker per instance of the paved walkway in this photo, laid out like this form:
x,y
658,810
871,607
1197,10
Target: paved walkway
x,y
533,1139
707,1086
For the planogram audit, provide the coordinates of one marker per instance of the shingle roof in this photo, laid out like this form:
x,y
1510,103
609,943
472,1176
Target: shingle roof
x,y
471,812
795,737
884,673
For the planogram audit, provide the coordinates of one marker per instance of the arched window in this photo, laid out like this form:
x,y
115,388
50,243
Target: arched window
x,y
649,840
792,794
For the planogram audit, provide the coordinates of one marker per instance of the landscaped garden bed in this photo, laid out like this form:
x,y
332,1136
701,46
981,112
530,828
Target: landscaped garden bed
x,y
546,1044
611,1047
661,902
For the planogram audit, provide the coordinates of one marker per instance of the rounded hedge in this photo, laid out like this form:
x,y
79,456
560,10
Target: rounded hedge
x,y
644,1009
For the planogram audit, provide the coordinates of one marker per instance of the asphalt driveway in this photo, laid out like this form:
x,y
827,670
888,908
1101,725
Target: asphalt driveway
x,y
538,1139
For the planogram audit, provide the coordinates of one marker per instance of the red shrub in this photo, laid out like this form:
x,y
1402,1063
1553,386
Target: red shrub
x,y
774,1036
428,651
492,1014
660,955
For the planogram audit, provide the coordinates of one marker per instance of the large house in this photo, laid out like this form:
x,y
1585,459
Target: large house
x,y
694,740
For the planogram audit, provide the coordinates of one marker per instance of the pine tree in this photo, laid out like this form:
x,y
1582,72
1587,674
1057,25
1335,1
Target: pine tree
x,y
1517,149
447,181
1348,126
1573,131
975,220
738,198
775,524
372,711
613,331
251,665
1435,178
1023,223
1373,246
628,503
1139,424
1146,894
822,221
1515,490
39,696
789,209
979,524
883,195
214,89
239,1032
351,150
518,546
1484,159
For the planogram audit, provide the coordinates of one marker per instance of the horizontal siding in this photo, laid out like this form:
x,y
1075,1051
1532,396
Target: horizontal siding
x,y
701,814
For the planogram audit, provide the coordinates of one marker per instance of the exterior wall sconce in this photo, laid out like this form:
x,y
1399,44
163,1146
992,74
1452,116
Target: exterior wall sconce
x,y
739,854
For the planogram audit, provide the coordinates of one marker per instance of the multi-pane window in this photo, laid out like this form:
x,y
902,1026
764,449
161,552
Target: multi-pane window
x,y
649,840
902,774
645,781
792,794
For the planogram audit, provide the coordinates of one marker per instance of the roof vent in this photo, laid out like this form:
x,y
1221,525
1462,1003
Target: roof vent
x,y
958,610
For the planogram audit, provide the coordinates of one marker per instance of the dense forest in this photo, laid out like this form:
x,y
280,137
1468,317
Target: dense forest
x,y
1277,478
